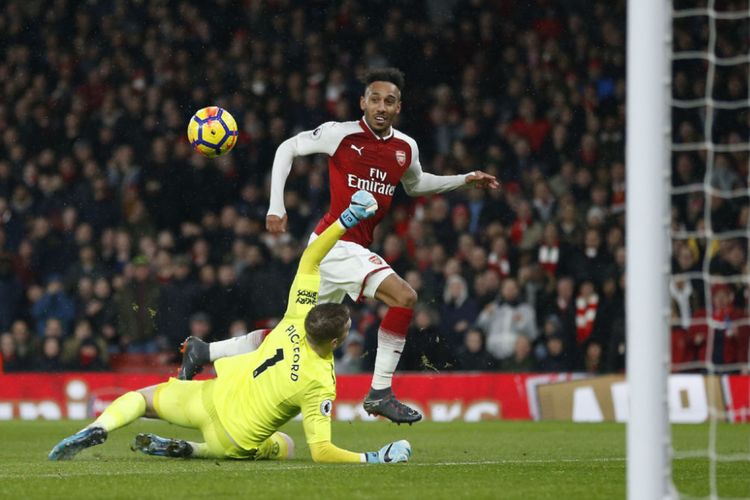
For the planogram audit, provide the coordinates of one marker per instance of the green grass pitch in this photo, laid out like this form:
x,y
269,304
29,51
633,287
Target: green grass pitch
x,y
524,460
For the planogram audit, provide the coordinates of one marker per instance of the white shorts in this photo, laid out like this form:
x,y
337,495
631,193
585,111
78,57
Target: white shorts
x,y
350,269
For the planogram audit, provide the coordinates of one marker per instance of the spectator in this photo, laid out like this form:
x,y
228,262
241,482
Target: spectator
x,y
9,356
177,301
54,328
502,259
49,253
727,342
476,261
427,347
11,293
521,360
394,255
263,304
26,343
351,360
730,258
526,232
438,213
679,342
71,349
88,357
473,356
486,287
137,305
610,313
87,266
550,252
528,126
555,359
506,320
84,294
50,357
459,311
688,292
544,203
54,303
23,264
101,310
571,231
593,262
200,326
592,362
222,300
562,305
237,328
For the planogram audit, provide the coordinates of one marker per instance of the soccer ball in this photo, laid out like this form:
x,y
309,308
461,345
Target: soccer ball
x,y
212,131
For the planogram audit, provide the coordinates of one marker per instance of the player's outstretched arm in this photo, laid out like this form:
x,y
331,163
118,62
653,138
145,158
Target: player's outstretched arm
x,y
324,139
362,206
416,182
327,452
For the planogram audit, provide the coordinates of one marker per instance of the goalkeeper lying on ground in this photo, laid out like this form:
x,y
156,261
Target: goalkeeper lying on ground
x,y
254,394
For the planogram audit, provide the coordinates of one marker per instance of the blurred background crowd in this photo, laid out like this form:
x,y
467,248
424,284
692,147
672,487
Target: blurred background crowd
x,y
116,238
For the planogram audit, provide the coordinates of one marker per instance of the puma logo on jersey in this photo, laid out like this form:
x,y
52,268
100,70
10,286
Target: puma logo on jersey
x,y
358,150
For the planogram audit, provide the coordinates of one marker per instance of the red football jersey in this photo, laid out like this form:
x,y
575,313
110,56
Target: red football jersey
x,y
359,159
363,160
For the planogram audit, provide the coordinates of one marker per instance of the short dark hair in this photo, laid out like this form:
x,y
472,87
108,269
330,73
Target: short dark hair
x,y
393,75
326,322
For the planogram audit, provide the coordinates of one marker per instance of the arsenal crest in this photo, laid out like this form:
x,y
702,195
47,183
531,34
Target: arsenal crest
x,y
375,260
401,157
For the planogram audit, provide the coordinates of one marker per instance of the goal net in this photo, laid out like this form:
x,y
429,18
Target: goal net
x,y
692,66
710,224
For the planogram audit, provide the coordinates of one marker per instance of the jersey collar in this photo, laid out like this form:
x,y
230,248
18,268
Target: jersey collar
x,y
366,127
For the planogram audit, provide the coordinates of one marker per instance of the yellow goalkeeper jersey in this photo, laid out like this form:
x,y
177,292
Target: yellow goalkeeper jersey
x,y
258,392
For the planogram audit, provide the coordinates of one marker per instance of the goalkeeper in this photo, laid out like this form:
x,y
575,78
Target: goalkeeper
x,y
254,394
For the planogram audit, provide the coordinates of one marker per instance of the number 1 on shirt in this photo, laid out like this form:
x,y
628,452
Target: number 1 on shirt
x,y
279,356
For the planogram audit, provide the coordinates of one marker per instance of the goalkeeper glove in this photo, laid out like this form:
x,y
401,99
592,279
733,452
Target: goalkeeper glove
x,y
400,451
362,206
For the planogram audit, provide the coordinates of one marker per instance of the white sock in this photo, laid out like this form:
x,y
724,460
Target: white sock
x,y
236,345
390,348
200,450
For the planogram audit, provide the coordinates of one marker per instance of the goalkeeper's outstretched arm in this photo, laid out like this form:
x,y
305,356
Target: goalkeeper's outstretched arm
x,y
327,452
304,290
362,206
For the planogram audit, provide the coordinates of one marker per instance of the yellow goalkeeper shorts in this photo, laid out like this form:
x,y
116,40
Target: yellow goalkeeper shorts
x,y
189,403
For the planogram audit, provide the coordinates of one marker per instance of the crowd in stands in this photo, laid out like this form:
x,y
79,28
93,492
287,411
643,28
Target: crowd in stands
x,y
117,238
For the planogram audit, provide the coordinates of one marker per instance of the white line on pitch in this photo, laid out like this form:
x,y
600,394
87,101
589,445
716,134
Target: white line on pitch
x,y
64,473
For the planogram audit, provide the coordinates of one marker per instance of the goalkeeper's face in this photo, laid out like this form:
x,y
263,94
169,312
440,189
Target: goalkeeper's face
x,y
381,104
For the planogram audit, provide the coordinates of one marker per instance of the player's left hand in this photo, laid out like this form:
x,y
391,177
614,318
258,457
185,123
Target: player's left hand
x,y
392,453
481,179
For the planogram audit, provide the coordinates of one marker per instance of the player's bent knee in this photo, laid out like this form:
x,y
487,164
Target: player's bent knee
x,y
407,297
148,395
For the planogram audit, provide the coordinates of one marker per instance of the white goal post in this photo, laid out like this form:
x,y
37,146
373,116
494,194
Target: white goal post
x,y
647,225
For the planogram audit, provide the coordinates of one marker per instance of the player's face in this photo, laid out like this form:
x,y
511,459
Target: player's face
x,y
381,103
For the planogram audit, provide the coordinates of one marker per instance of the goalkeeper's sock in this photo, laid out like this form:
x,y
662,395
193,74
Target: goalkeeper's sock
x,y
201,450
235,345
391,341
123,410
